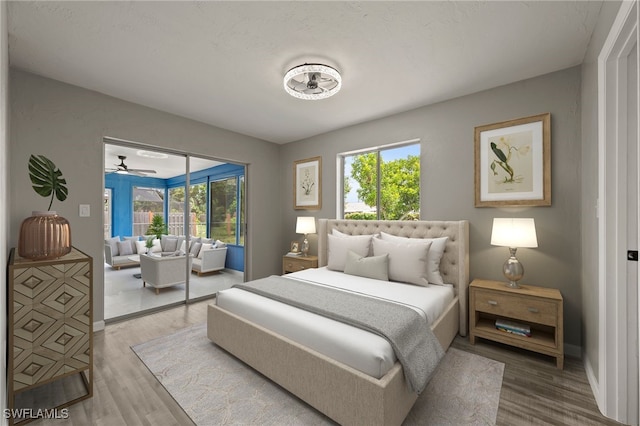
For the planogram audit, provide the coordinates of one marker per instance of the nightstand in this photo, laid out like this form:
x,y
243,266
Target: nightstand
x,y
295,264
538,307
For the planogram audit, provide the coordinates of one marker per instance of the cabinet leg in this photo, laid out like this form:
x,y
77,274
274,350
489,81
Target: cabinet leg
x,y
560,362
472,339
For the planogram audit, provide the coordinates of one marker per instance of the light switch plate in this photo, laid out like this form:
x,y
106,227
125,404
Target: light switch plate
x,y
85,210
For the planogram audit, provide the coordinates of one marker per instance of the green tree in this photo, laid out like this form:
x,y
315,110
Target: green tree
x,y
399,184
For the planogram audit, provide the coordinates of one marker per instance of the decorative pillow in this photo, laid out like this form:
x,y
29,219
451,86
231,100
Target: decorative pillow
x,y
141,247
124,248
170,243
407,262
436,251
183,246
156,247
376,267
206,240
204,247
220,244
113,243
132,241
338,247
195,248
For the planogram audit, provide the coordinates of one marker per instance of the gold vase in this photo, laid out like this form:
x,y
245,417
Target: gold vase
x,y
44,235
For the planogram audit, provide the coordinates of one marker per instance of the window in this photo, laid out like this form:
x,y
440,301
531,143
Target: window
x,y
225,210
198,206
382,183
147,202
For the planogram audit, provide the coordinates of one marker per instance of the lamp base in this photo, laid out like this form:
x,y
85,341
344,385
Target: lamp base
x,y
305,247
513,269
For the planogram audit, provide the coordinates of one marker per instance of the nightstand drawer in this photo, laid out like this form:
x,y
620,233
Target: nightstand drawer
x,y
295,264
292,265
517,307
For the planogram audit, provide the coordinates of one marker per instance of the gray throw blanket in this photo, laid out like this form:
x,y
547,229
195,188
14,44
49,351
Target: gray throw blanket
x,y
411,338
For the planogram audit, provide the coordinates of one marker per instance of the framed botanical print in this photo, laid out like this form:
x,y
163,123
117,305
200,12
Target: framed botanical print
x,y
513,162
307,184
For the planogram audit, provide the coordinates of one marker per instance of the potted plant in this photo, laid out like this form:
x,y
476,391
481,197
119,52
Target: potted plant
x,y
157,226
45,235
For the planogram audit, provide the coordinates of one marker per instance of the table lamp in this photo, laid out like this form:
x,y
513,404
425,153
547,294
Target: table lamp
x,y
513,233
305,225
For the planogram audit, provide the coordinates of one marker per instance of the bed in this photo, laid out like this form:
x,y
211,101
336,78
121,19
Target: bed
x,y
344,392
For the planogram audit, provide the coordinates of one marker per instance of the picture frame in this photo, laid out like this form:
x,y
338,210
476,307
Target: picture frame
x,y
295,246
307,184
513,162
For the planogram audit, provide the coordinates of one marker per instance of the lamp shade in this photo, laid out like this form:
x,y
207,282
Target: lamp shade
x,y
306,225
514,232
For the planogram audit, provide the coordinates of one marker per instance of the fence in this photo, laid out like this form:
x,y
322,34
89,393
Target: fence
x,y
175,224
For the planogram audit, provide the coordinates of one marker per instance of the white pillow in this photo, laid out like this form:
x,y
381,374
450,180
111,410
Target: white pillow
x,y
141,247
435,253
376,267
407,262
183,246
338,247
204,247
156,247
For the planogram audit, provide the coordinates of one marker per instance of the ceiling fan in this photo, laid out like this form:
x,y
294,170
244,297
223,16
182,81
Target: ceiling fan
x,y
313,83
123,169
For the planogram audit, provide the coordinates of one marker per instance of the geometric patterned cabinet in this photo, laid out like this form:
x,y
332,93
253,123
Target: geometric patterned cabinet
x,y
50,325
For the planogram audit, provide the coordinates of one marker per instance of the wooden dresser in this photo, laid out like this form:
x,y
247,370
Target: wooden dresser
x,y
50,330
537,307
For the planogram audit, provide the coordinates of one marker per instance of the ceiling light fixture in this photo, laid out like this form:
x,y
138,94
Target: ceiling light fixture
x,y
312,81
152,154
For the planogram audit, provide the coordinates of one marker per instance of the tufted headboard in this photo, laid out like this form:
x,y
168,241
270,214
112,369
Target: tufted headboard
x,y
454,265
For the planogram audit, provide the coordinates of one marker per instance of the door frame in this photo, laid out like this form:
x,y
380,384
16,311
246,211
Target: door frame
x,y
613,379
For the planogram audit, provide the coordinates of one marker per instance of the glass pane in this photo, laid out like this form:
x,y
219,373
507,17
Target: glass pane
x,y
198,206
147,202
360,186
223,210
400,183
175,217
242,211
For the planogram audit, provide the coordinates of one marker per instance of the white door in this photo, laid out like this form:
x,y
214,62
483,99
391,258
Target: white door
x,y
632,233
618,395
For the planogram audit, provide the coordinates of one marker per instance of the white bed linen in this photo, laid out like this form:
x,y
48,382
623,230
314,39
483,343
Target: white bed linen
x,y
362,350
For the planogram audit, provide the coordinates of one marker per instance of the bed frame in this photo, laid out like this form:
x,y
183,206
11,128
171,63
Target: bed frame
x,y
344,394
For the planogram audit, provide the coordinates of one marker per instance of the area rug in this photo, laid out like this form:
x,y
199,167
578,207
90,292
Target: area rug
x,y
214,388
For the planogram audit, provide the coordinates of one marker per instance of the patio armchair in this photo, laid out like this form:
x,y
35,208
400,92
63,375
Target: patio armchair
x,y
163,271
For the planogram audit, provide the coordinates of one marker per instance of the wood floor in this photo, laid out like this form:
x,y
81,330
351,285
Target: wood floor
x,y
534,392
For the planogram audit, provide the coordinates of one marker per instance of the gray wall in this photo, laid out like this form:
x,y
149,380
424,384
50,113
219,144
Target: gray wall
x,y
447,179
589,187
67,124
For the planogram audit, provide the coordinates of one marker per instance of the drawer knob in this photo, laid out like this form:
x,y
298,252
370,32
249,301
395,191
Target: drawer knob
x,y
492,302
534,310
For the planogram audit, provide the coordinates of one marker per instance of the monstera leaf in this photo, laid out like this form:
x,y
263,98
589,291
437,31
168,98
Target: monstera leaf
x,y
47,180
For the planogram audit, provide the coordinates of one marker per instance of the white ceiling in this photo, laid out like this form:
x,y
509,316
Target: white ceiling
x,y
164,165
222,63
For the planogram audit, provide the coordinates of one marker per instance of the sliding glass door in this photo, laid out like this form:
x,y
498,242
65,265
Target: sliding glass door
x,y
159,207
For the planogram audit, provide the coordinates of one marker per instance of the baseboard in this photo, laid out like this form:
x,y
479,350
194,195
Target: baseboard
x,y
573,351
98,326
593,381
